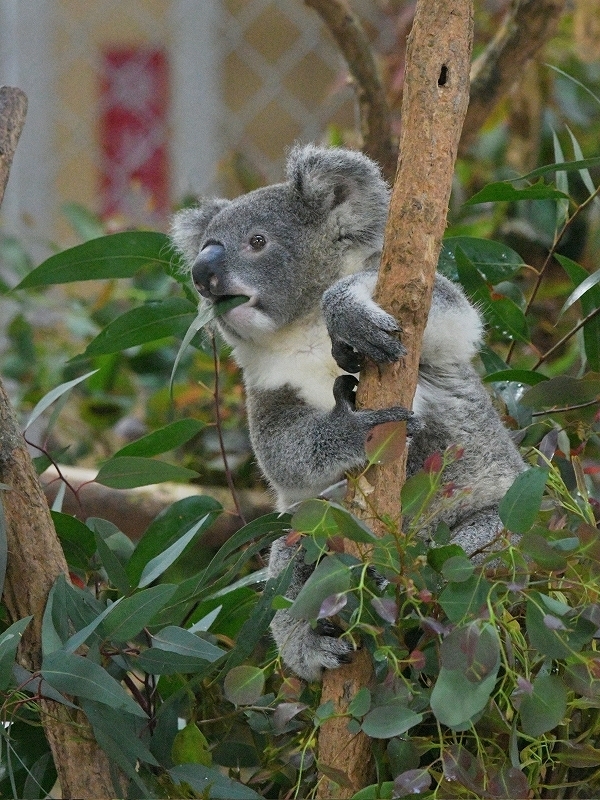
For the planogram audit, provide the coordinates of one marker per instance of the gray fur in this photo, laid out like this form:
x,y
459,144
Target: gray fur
x,y
306,253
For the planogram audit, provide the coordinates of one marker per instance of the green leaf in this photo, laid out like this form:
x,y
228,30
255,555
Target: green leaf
x,y
53,395
76,539
519,507
82,635
564,166
463,601
331,576
350,527
211,783
3,544
256,625
132,614
178,640
79,676
145,323
524,376
556,642
163,439
120,736
127,472
9,642
85,224
561,391
392,719
562,183
244,685
119,255
360,703
55,630
416,494
458,568
506,192
115,569
156,566
545,707
590,301
495,261
313,516
190,746
455,699
169,526
205,314
584,174
155,661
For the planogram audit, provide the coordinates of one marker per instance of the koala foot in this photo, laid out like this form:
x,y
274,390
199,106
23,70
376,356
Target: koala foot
x,y
372,334
309,651
344,389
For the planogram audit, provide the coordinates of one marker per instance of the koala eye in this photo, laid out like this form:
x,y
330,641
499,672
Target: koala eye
x,y
257,241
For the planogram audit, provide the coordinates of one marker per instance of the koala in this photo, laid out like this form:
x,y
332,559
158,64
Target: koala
x,y
305,253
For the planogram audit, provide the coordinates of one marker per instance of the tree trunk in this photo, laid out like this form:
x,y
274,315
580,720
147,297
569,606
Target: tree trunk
x,y
434,104
35,558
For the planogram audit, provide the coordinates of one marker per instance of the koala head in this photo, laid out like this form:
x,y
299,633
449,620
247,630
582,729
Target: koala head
x,y
283,245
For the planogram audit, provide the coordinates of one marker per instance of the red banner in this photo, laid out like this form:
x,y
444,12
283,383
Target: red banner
x,y
134,175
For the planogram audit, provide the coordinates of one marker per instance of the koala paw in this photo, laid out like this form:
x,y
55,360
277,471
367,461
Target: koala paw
x,y
344,389
309,651
373,335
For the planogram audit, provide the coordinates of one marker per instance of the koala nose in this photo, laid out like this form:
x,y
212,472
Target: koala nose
x,y
207,272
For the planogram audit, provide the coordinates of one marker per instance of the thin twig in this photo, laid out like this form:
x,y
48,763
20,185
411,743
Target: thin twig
x,y
219,425
566,337
540,273
589,403
375,117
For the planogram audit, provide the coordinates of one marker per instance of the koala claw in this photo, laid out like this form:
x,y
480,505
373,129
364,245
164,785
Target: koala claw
x,y
346,357
306,651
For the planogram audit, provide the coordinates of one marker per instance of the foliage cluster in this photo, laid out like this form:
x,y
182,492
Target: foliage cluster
x,y
487,672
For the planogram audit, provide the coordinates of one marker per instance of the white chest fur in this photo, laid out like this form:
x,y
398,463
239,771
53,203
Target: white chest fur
x,y
299,356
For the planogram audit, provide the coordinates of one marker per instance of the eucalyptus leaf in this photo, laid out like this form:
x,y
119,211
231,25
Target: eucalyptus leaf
x,y
502,191
119,255
77,675
519,507
53,395
495,261
545,707
9,642
168,527
331,576
393,719
157,565
163,439
244,685
146,323
129,472
211,783
132,614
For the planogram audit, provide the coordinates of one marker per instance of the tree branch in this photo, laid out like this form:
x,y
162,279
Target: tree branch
x,y
434,103
375,116
35,558
526,28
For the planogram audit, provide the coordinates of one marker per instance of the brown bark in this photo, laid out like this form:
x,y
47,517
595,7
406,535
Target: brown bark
x,y
434,103
375,117
132,510
35,558
526,28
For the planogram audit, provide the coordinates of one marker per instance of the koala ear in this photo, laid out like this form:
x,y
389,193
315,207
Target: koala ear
x,y
346,182
189,226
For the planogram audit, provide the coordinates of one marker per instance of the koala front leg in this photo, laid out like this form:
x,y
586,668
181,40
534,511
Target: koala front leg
x,y
301,449
357,326
306,650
